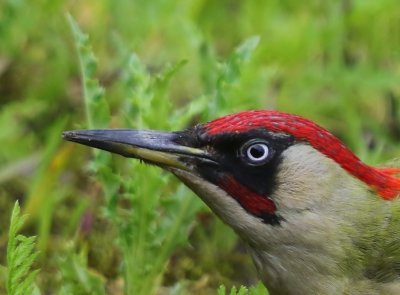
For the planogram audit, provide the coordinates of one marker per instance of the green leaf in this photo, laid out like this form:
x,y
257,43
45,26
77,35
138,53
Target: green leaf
x,y
243,291
21,255
230,74
222,290
97,111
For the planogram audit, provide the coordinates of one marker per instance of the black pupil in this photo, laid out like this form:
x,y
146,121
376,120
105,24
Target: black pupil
x,y
257,151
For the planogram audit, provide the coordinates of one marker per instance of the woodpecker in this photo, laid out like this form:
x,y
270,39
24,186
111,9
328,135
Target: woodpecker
x,y
316,219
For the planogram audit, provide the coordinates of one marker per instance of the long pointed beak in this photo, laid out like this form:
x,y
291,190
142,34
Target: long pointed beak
x,y
157,147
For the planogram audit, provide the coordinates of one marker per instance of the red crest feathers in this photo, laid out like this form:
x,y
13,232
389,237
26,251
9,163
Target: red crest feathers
x,y
383,180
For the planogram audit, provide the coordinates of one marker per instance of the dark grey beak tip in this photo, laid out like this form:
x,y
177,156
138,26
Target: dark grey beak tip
x,y
79,136
71,136
67,135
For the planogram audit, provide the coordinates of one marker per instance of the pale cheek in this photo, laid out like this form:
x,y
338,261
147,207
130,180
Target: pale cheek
x,y
305,179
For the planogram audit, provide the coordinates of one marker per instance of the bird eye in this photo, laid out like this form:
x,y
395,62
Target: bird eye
x,y
255,153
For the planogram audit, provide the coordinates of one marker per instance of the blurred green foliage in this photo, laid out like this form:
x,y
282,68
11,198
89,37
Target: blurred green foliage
x,y
107,225
21,254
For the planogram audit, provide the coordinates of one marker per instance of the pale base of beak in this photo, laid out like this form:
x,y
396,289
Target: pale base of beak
x,y
157,157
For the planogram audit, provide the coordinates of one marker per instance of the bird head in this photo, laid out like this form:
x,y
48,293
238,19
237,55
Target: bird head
x,y
254,169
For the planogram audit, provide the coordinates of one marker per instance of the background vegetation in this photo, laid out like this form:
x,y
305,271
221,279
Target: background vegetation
x,y
107,225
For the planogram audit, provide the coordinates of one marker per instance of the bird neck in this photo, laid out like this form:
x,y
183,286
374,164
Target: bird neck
x,y
328,223
318,247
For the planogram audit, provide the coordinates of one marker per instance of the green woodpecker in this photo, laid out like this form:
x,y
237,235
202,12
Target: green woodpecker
x,y
316,219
